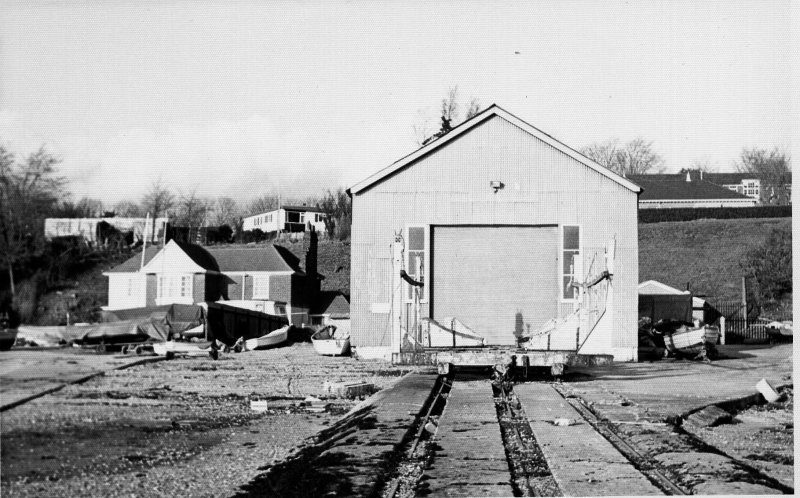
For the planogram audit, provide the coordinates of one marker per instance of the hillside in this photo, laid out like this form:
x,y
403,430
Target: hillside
x,y
704,253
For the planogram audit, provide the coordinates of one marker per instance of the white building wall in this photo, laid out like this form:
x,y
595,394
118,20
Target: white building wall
x,y
451,185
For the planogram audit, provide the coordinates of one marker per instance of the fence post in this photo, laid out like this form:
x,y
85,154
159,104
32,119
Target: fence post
x,y
722,330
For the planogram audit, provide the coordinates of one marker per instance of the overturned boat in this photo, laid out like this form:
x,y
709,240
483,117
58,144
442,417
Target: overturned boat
x,y
331,341
277,336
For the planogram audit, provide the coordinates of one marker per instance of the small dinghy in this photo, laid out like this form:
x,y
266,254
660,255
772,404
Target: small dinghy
x,y
274,338
170,349
693,341
331,341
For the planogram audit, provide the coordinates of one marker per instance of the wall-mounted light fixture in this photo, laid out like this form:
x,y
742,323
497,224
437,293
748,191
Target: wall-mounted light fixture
x,y
496,185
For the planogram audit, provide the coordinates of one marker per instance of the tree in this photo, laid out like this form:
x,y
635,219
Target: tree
x,y
774,169
263,204
225,211
158,202
84,208
191,210
29,191
770,265
338,214
448,115
473,109
127,209
637,157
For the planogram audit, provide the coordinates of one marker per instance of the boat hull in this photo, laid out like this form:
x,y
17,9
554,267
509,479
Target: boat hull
x,y
331,341
691,341
274,338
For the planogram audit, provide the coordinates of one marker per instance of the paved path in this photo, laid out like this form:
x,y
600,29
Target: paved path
x,y
469,458
660,389
582,461
29,373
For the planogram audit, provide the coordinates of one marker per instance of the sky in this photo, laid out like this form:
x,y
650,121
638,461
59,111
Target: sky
x,y
246,98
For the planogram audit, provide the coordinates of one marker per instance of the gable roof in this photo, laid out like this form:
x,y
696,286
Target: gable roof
x,y
267,257
491,111
133,264
675,187
331,303
223,259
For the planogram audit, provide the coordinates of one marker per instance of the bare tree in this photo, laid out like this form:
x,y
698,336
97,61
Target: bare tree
x,y
263,204
448,115
450,107
225,211
191,210
637,157
773,167
158,202
127,209
473,109
29,191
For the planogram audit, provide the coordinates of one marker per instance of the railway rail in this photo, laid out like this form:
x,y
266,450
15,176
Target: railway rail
x,y
609,463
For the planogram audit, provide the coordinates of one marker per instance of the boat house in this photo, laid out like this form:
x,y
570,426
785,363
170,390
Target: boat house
x,y
496,219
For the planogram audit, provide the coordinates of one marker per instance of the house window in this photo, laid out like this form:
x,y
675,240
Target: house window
x,y
570,249
318,217
751,189
415,258
261,287
294,217
174,286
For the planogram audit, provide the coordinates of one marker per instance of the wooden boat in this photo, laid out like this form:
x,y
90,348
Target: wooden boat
x,y
175,348
437,335
274,338
780,331
692,341
331,341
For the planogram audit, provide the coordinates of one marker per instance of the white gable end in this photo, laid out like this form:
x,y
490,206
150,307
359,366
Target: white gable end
x,y
172,259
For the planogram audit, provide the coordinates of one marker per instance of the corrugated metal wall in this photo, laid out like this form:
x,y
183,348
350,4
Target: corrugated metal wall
x,y
542,186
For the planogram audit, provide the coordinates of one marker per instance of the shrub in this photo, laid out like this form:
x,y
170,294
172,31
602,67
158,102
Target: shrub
x,y
770,266
688,214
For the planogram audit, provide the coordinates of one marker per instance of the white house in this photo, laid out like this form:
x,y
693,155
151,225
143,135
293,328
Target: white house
x,y
287,219
263,278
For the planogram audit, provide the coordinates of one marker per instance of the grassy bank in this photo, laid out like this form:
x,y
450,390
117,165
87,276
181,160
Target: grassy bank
x,y
704,253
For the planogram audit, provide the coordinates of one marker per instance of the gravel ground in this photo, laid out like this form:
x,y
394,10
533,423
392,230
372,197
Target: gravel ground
x,y
180,427
761,436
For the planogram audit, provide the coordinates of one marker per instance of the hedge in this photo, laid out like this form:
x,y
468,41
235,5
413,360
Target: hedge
x,y
687,214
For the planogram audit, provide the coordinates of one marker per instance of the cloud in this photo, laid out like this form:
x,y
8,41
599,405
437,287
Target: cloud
x,y
241,159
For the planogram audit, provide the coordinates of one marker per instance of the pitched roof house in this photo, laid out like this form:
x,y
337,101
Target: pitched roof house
x,y
684,190
190,274
490,217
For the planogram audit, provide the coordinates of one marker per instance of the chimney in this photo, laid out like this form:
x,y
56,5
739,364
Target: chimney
x,y
688,176
311,263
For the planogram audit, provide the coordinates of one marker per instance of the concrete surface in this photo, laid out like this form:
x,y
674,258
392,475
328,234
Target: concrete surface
x,y
582,461
355,456
660,389
27,373
469,457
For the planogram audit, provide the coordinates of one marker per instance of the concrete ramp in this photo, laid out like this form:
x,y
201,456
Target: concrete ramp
x,y
582,461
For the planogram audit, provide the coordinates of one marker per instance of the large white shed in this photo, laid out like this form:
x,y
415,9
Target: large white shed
x,y
489,217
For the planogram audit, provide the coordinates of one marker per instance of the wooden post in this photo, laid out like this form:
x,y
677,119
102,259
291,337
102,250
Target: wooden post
x,y
744,301
722,330
396,315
